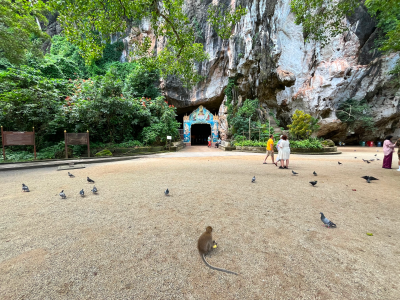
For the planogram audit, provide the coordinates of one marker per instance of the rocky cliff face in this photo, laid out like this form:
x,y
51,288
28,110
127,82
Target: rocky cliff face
x,y
268,56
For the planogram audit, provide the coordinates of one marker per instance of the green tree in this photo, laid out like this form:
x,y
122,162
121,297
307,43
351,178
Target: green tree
x,y
142,83
19,28
303,125
323,20
88,23
356,114
239,121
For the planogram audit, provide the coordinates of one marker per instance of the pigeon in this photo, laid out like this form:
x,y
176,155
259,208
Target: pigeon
x,y
369,178
253,179
25,188
294,173
70,175
313,183
377,159
326,221
367,161
314,173
94,190
376,154
166,192
339,163
355,157
62,195
90,180
371,159
82,193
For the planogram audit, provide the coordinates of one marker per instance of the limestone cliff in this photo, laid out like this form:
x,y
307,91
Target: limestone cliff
x,y
268,56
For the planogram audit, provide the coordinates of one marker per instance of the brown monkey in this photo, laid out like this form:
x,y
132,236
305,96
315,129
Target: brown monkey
x,y
205,245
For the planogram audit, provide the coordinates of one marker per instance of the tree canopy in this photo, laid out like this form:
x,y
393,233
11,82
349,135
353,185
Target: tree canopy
x,y
19,28
90,23
325,19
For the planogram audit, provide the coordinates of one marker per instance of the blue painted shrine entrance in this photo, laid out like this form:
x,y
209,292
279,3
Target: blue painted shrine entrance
x,y
200,116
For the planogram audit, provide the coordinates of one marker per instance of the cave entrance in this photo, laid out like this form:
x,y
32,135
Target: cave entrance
x,y
200,133
199,125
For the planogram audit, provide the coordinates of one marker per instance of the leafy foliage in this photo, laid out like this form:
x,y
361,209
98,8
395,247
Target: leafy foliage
x,y
142,83
303,124
19,29
240,121
88,23
356,114
322,19
310,143
223,20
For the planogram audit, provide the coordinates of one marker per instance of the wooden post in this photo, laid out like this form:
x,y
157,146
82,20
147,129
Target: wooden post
x,y
88,143
34,143
2,142
249,130
269,124
66,146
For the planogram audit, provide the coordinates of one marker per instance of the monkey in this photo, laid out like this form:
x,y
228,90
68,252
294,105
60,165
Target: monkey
x,y
205,245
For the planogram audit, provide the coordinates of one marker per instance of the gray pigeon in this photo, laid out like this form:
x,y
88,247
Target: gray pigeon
x,y
166,192
313,183
294,173
82,193
339,163
70,175
25,188
62,195
371,159
369,178
314,173
367,161
376,154
327,222
94,190
355,157
377,159
253,179
90,180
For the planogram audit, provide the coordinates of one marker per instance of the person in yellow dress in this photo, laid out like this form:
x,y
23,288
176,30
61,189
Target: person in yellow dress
x,y
270,149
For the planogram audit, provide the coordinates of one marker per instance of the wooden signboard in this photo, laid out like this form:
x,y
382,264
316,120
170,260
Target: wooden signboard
x,y
18,138
76,139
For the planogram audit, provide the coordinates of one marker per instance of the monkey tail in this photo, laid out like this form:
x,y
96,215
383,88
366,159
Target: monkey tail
x,y
214,268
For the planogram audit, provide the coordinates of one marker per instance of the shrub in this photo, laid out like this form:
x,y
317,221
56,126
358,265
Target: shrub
x,y
303,124
104,152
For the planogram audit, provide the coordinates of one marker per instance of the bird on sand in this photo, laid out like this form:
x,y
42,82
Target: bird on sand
x,y
294,173
166,192
355,157
313,183
94,190
339,163
376,154
82,193
371,159
369,178
367,161
70,175
253,179
326,221
314,173
25,188
62,195
90,180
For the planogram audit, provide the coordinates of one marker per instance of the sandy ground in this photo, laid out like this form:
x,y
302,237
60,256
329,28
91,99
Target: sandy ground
x,y
132,242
